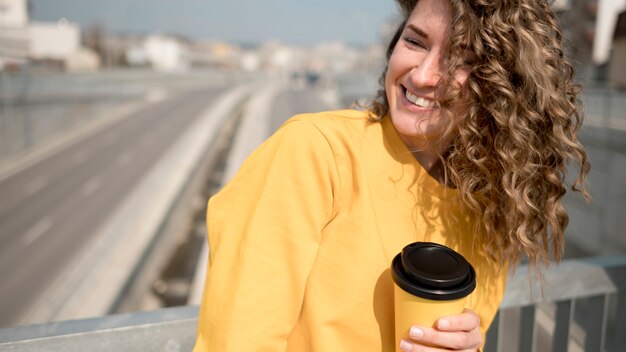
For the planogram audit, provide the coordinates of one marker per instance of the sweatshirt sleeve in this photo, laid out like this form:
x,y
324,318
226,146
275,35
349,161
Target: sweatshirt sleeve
x,y
264,230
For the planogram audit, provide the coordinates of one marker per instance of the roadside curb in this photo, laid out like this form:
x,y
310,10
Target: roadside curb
x,y
254,129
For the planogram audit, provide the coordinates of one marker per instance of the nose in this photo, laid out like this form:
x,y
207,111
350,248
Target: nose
x,y
429,72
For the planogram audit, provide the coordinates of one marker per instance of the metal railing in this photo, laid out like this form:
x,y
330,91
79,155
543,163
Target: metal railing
x,y
582,308
167,330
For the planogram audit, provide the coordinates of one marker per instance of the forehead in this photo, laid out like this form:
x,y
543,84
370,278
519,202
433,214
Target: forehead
x,y
431,16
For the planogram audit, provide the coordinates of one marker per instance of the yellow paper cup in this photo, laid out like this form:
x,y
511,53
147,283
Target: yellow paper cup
x,y
431,281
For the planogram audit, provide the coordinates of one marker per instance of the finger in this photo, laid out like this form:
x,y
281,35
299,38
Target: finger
x,y
457,340
466,321
412,346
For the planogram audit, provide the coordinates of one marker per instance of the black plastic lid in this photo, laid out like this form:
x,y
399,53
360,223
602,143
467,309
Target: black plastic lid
x,y
433,271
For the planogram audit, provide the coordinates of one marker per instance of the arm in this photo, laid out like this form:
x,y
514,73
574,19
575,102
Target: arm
x,y
264,232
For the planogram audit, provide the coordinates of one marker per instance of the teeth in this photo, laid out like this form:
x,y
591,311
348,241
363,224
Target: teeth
x,y
419,101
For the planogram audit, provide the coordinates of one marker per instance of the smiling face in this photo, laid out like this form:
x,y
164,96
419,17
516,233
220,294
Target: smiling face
x,y
416,66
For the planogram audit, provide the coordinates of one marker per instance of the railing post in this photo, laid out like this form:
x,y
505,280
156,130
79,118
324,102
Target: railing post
x,y
615,339
509,332
589,317
563,319
491,340
527,329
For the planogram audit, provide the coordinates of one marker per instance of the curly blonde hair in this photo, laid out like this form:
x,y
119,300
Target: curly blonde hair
x,y
519,127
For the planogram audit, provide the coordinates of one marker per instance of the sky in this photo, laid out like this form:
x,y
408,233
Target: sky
x,y
355,22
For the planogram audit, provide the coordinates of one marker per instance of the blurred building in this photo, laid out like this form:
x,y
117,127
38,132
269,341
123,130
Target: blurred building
x,y
13,33
588,26
157,51
561,5
608,12
117,50
274,56
371,59
250,60
166,53
578,19
83,60
617,63
333,57
215,54
53,41
49,44
59,45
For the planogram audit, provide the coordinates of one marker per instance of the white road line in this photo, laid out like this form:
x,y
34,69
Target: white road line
x,y
90,186
36,185
123,159
36,231
79,158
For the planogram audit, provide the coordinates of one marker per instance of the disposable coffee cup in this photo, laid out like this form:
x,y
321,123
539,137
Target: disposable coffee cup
x,y
431,281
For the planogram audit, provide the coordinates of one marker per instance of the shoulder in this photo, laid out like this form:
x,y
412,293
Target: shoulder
x,y
320,133
333,125
332,118
341,135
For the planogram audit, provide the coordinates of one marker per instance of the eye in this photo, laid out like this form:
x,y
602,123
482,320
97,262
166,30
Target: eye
x,y
414,42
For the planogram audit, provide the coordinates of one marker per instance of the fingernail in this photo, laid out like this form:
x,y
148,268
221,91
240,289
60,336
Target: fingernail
x,y
416,333
443,324
406,346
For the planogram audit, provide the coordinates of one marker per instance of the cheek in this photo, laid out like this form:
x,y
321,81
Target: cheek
x,y
394,67
390,77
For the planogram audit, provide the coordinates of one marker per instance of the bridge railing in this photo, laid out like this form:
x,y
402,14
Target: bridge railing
x,y
582,308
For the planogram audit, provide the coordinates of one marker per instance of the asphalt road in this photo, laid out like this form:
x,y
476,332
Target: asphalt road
x,y
50,211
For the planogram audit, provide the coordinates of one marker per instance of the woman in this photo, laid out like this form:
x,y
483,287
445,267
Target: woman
x,y
466,145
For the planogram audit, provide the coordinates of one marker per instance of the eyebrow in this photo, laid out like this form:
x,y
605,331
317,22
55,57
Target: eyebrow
x,y
417,31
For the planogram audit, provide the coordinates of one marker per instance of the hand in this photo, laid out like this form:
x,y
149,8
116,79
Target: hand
x,y
453,333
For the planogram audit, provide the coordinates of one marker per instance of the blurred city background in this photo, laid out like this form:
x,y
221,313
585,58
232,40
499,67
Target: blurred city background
x,y
118,119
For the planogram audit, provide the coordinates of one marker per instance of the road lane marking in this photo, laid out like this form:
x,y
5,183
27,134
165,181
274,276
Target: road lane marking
x,y
36,231
90,186
36,185
124,159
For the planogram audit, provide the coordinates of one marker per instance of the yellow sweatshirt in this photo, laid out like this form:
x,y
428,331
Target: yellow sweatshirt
x,y
302,238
